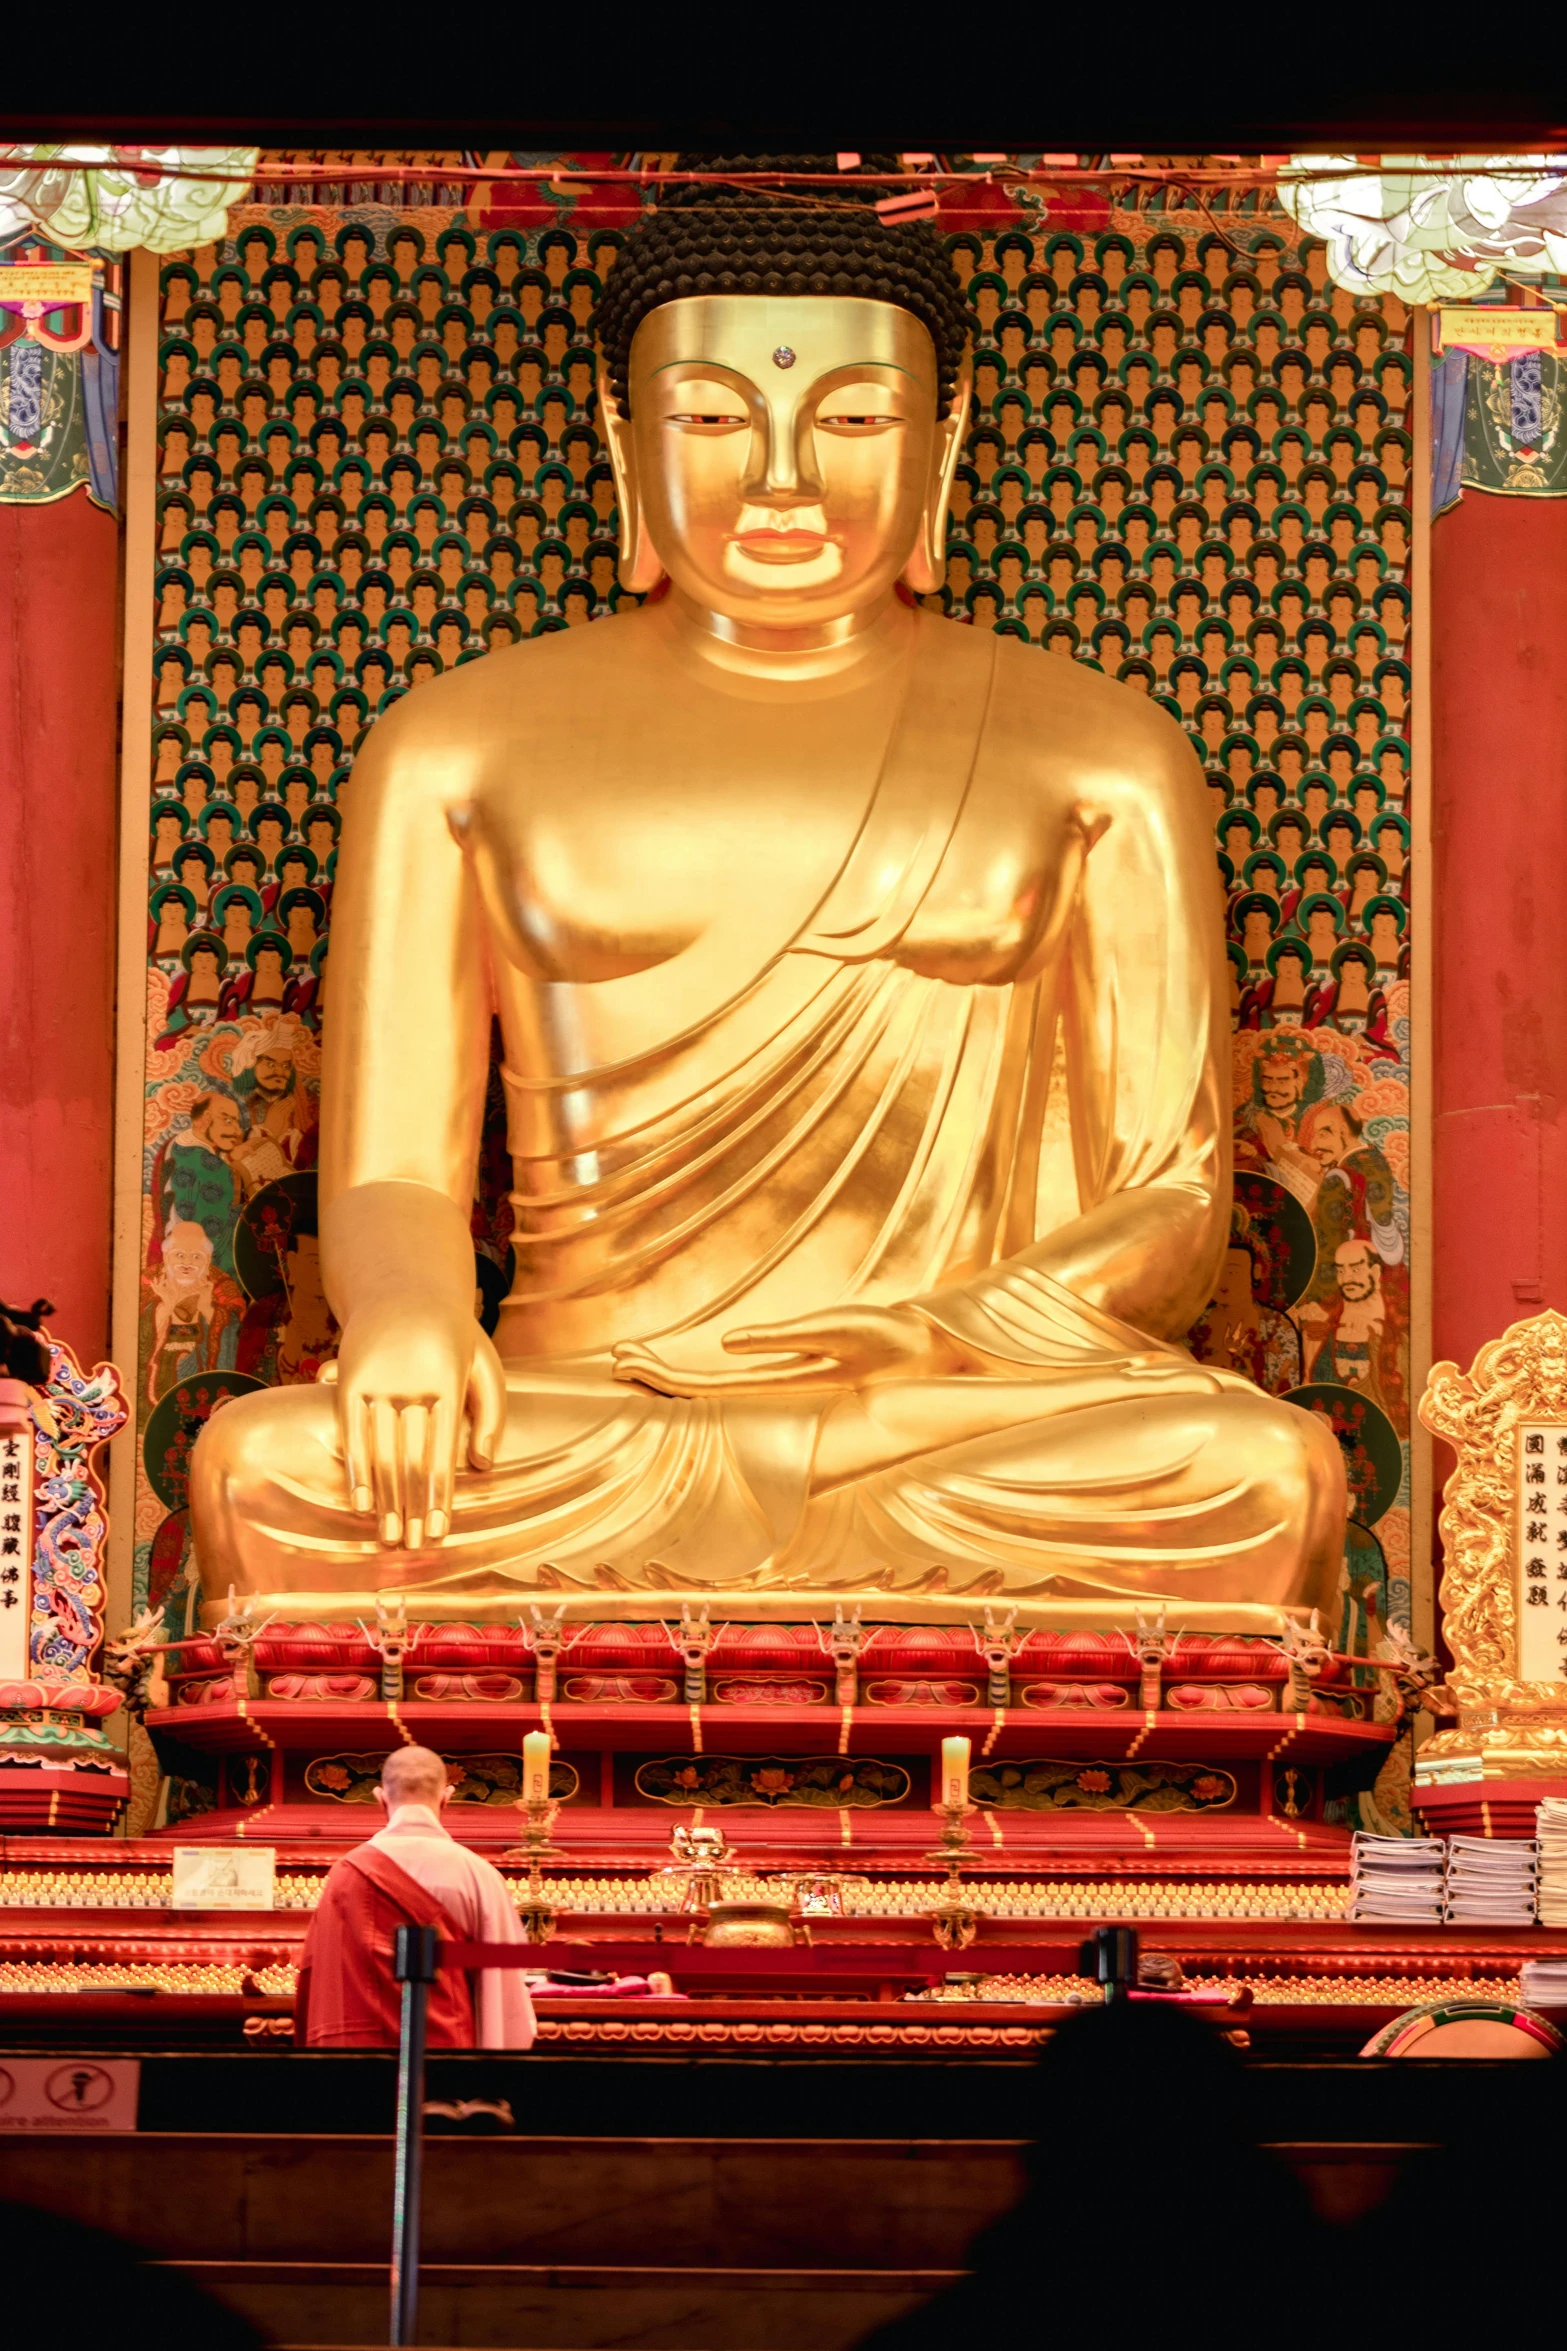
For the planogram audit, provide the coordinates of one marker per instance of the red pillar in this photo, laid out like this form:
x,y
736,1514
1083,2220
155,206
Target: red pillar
x,y
1499,841
59,688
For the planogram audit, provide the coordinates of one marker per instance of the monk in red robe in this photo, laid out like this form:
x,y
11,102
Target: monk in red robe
x,y
412,1873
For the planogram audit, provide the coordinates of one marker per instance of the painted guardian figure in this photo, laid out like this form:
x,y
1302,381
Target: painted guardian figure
x,y
862,989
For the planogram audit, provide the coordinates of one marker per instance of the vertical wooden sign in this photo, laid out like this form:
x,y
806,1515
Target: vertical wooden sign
x,y
16,1530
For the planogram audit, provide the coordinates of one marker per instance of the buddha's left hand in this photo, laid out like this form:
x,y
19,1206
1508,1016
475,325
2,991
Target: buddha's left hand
x,y
852,1347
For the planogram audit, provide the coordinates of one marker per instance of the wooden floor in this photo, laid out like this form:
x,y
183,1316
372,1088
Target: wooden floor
x,y
672,2244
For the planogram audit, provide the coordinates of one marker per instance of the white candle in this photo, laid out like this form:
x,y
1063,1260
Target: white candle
x,y
954,1771
536,1767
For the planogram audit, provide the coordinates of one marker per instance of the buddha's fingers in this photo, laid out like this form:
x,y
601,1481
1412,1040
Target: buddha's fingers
x,y
815,1335
353,1413
635,1364
443,1469
413,1433
383,1470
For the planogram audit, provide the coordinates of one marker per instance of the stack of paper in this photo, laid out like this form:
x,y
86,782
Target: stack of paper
x,y
1397,1879
1551,1826
1490,1881
1544,1983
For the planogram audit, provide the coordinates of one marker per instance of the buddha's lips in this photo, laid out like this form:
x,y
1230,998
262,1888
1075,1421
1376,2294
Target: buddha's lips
x,y
782,546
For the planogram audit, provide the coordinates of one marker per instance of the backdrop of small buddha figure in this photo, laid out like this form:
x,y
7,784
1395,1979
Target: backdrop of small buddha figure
x,y
380,457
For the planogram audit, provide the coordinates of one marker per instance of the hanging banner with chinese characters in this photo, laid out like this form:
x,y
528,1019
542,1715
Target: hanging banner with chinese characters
x,y
16,1528
1504,1536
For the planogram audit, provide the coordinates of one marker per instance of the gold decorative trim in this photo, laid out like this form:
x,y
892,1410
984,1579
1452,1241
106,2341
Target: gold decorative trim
x,y
1507,1727
1048,1784
491,1780
820,1782
705,2034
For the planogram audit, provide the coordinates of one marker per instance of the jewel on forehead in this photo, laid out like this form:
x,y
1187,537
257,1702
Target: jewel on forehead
x,y
783,356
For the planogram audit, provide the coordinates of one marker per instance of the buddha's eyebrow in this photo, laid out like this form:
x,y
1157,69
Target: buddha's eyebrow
x,y
846,370
698,360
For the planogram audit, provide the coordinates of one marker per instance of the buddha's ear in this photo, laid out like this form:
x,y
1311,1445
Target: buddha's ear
x,y
926,568
641,567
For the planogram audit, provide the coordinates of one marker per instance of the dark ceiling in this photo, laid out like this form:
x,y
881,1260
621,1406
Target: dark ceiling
x,y
1169,80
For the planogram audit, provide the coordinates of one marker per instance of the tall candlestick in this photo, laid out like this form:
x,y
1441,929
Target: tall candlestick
x,y
954,1772
536,1767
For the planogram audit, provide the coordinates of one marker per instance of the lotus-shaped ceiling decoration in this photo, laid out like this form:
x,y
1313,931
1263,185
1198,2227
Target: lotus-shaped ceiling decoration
x,y
1431,229
114,198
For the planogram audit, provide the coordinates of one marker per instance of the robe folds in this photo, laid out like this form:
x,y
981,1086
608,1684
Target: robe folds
x,y
412,1874
973,1065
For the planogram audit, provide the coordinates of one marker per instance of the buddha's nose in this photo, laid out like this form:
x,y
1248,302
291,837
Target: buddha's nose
x,y
784,470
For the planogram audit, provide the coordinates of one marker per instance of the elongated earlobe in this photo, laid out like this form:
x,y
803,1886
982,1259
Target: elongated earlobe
x,y
640,565
926,568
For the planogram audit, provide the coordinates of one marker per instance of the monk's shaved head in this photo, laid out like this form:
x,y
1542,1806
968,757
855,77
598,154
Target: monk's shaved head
x,y
413,1775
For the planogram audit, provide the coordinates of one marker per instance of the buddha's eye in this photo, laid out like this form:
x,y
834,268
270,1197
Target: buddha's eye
x,y
709,420
859,420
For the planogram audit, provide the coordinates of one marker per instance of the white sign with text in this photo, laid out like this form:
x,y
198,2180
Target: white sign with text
x,y
224,1877
1541,1587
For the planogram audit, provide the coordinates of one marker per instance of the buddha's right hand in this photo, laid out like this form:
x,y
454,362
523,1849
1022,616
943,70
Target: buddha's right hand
x,y
409,1374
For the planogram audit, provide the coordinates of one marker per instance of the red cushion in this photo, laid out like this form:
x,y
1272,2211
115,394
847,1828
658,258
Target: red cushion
x,y
768,1689
631,1689
493,1648
332,1648
768,1648
1094,1656
322,1688
492,1688
310,1648
920,1693
1220,1697
925,1651
620,1648
204,1692
1075,1693
195,1657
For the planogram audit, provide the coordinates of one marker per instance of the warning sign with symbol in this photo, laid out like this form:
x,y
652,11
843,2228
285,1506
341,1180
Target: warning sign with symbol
x,y
69,2093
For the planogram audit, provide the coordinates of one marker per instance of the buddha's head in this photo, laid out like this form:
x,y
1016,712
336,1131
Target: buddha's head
x,y
784,389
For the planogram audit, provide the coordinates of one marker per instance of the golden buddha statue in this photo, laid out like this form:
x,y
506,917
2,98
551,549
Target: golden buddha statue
x,y
861,984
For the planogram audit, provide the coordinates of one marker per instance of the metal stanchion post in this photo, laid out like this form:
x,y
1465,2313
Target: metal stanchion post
x,y
1112,1956
414,1961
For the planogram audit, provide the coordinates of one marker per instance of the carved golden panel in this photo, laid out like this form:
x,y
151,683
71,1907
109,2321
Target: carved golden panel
x,y
1505,1418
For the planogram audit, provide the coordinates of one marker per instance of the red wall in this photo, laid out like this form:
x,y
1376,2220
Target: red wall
x,y
1499,827
59,686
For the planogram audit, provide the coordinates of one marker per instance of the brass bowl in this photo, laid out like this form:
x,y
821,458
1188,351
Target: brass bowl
x,y
749,1926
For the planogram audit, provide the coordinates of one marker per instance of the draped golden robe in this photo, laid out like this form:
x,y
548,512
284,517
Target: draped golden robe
x,y
985,1075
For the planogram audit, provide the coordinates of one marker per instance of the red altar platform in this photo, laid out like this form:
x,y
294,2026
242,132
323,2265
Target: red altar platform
x,y
604,1749
1481,1807
1197,1786
98,1953
1220,1744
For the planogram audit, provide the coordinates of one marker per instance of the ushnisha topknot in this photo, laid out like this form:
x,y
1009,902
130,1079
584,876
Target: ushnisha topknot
x,y
710,238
